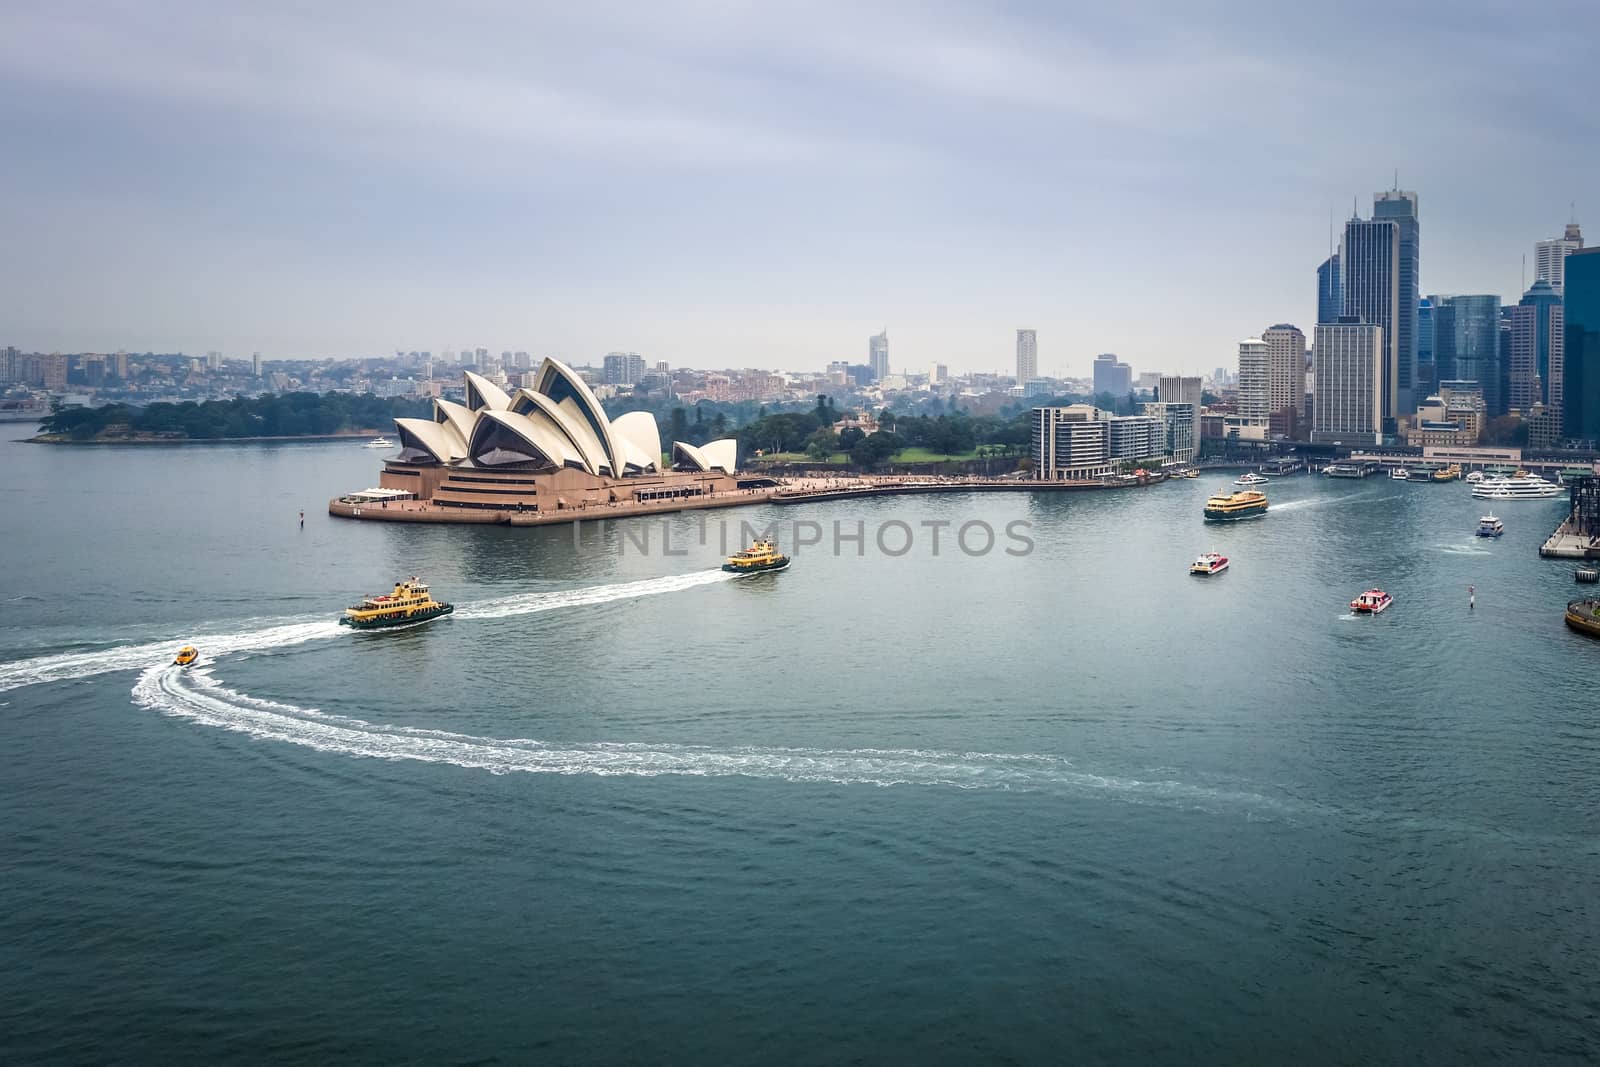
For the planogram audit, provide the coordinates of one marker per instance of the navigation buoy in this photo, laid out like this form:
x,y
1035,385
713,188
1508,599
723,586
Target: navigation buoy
x,y
1472,598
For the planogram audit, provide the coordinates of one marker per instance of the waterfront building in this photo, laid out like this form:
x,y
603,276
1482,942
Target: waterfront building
x,y
1400,207
1286,369
549,447
10,359
1330,290
1179,390
1254,379
1027,356
1537,327
1580,384
1452,417
1136,436
1349,364
1549,257
1179,427
1071,444
1111,375
1369,259
878,355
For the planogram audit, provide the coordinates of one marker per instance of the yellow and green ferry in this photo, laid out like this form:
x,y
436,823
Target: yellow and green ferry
x,y
759,557
1228,507
1584,616
410,603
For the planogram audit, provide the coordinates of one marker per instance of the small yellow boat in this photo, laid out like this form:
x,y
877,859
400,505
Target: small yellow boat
x,y
761,556
186,656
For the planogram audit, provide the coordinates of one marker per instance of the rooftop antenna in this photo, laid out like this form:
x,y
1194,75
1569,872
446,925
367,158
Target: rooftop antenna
x,y
1524,272
1397,179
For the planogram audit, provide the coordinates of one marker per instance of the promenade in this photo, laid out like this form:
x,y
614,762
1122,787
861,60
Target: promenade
x,y
791,491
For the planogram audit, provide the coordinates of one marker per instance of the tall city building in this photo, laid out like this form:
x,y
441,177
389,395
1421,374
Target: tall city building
x,y
878,355
1286,368
1348,361
255,364
1426,371
1550,257
55,372
1537,328
623,368
1400,207
9,371
1330,290
1254,377
1111,375
214,360
1466,338
938,373
1178,390
1369,261
1027,356
1580,380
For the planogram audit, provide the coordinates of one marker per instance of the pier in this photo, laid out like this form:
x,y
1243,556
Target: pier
x,y
1578,536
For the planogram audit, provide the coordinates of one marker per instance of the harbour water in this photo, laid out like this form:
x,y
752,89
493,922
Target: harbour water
x,y
1071,804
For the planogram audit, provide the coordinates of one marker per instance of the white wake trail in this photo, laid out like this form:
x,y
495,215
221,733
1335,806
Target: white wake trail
x,y
196,696
69,666
531,603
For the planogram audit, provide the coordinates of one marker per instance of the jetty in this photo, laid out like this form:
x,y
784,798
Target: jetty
x,y
1578,536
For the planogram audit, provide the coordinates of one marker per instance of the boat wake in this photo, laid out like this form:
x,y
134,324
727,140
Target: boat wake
x,y
282,633
199,697
532,603
1463,550
1320,501
69,666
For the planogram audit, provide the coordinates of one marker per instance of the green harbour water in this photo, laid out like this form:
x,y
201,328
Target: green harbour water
x,y
1068,805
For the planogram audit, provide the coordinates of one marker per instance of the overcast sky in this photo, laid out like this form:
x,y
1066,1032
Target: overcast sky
x,y
726,184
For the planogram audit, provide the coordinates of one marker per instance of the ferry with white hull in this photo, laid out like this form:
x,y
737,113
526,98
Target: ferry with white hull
x,y
1521,486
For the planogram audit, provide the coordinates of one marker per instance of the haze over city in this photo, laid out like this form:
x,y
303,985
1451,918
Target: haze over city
x,y
719,185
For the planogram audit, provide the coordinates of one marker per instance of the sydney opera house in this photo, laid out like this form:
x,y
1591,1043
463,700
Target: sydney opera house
x,y
545,449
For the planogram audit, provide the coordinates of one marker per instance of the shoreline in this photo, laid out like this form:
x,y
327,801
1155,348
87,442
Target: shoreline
x,y
343,435
423,511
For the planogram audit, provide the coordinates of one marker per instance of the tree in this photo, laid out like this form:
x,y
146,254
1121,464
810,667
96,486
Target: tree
x,y
822,444
850,436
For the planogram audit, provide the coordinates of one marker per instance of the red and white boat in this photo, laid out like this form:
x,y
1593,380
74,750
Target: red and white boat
x,y
1371,602
1210,563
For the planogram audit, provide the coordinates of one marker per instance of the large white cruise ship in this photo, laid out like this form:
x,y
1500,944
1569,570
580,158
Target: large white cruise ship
x,y
1520,486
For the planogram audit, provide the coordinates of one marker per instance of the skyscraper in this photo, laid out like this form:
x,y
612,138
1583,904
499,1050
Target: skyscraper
x,y
878,355
1177,390
1286,368
1400,206
1427,377
1471,348
1536,345
1369,262
1111,375
1330,290
1027,356
1549,257
1580,381
1348,362
255,364
1254,377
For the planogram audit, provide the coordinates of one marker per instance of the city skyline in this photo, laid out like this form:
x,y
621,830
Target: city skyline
x,y
342,183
